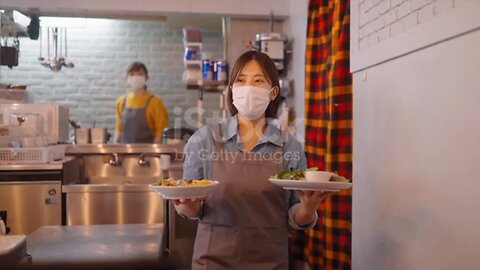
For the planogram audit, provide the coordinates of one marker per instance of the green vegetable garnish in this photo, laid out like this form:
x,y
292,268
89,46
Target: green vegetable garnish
x,y
293,174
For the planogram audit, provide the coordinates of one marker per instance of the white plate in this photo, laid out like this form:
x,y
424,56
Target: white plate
x,y
184,192
310,185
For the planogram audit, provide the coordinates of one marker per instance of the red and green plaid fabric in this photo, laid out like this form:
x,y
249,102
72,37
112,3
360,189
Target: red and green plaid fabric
x,y
328,136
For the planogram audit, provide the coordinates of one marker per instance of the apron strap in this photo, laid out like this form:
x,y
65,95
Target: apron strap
x,y
148,101
124,102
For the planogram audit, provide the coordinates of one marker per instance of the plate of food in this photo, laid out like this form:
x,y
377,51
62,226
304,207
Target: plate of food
x,y
183,189
310,179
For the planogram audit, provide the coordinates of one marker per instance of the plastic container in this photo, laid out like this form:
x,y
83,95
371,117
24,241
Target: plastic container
x,y
98,135
192,34
32,155
82,136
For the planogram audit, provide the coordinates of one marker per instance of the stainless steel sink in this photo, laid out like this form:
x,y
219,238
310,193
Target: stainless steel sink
x,y
115,189
96,166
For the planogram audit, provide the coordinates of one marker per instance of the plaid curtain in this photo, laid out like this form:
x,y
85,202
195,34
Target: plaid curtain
x,y
328,142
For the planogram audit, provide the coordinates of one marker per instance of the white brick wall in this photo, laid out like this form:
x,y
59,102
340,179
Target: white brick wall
x,y
378,17
101,51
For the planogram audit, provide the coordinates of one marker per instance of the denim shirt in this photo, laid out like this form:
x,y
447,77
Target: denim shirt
x,y
199,148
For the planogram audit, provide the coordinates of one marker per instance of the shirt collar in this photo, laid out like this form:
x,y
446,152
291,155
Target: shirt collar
x,y
230,128
272,132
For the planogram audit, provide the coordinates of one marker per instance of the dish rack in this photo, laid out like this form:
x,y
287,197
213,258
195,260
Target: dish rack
x,y
32,155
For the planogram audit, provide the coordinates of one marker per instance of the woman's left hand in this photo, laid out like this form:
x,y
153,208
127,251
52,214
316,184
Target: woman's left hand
x,y
309,202
310,199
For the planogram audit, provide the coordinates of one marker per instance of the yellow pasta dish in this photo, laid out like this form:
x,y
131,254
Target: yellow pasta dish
x,y
176,183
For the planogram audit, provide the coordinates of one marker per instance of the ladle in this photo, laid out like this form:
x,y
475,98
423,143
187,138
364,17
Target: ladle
x,y
55,65
67,63
40,56
61,59
46,62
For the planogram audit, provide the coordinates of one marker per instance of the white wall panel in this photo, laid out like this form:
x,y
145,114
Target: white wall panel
x,y
416,160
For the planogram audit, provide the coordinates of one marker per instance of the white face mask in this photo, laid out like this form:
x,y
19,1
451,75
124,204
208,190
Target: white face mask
x,y
251,101
136,82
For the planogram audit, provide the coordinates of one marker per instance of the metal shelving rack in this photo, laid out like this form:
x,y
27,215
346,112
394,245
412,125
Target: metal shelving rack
x,y
209,86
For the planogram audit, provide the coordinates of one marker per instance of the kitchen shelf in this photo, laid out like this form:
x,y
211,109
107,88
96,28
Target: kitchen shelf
x,y
213,86
212,83
207,86
192,44
189,63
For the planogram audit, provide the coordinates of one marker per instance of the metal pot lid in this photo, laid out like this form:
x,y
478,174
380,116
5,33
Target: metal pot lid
x,y
18,86
12,86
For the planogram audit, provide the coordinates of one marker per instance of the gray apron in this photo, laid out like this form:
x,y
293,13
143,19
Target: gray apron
x,y
135,126
245,222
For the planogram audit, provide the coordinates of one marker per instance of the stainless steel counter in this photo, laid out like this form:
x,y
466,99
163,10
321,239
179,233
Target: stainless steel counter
x,y
82,149
128,246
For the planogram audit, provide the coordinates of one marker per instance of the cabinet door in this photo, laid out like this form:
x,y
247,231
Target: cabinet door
x,y
30,205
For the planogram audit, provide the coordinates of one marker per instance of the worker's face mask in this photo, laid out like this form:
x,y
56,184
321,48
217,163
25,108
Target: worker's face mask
x,y
251,101
136,82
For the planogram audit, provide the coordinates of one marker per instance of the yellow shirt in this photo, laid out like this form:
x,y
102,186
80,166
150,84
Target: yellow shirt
x,y
157,114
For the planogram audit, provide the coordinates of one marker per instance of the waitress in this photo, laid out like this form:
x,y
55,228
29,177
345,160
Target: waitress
x,y
244,223
141,116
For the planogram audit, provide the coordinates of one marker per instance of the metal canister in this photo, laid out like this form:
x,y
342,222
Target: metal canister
x,y
207,70
221,70
215,70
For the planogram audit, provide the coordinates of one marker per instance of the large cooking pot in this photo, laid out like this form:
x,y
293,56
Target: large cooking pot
x,y
8,56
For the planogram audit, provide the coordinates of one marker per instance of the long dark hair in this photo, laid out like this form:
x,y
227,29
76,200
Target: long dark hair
x,y
269,70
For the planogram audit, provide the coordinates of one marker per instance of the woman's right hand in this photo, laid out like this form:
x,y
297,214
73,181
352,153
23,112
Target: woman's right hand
x,y
188,207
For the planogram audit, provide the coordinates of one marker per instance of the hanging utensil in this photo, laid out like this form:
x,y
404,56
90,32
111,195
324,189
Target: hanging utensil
x,y
46,62
73,123
40,56
16,43
55,64
61,59
67,63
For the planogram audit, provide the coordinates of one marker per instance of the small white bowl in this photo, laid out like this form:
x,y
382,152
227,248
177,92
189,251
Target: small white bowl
x,y
318,176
